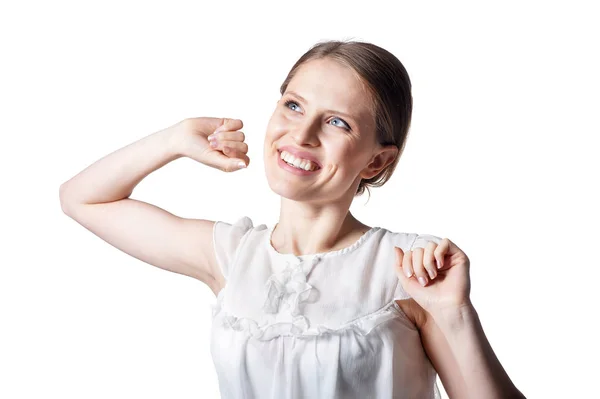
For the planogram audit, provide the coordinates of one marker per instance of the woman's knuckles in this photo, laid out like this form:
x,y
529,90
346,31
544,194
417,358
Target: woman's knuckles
x,y
228,146
227,135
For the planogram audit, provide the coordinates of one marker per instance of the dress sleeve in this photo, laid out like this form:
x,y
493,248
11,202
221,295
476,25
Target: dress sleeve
x,y
227,239
420,241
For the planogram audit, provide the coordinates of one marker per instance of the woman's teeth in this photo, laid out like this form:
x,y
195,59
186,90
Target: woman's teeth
x,y
303,164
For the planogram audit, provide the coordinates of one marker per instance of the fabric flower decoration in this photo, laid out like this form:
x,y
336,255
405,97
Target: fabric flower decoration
x,y
287,289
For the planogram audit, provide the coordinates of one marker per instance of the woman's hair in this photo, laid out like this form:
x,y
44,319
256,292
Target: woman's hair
x,y
388,84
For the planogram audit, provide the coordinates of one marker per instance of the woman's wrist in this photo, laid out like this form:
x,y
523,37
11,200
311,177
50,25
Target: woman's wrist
x,y
176,144
456,317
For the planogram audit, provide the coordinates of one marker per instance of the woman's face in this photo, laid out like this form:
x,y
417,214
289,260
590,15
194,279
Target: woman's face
x,y
324,113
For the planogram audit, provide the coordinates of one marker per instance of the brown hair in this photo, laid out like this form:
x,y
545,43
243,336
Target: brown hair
x,y
385,79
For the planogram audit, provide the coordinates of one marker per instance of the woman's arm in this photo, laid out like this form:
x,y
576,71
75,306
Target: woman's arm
x,y
460,352
114,176
98,198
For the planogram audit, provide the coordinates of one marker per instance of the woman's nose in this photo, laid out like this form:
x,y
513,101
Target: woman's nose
x,y
307,132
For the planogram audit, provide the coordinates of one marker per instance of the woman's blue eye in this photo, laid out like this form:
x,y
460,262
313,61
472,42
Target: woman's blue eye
x,y
288,102
345,126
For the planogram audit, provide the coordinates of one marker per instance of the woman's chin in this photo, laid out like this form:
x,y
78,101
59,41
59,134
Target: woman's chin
x,y
291,190
288,191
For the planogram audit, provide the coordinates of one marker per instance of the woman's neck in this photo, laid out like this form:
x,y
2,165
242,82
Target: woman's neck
x,y
309,231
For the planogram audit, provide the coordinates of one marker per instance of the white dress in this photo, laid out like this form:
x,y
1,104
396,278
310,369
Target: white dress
x,y
315,326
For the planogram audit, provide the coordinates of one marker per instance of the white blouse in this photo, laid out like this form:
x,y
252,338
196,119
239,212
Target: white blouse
x,y
315,326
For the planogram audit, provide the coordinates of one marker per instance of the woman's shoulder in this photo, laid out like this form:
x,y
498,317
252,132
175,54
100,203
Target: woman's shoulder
x,y
230,234
408,240
242,223
231,237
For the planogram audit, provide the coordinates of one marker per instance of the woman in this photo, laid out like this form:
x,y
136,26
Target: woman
x,y
319,305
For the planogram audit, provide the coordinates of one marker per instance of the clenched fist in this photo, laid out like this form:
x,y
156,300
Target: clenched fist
x,y
215,142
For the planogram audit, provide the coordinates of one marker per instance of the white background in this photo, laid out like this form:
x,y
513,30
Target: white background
x,y
501,158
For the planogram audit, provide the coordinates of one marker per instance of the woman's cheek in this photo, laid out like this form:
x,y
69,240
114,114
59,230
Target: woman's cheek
x,y
279,125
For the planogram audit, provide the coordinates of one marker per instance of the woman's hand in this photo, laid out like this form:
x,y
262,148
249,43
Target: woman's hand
x,y
446,287
215,142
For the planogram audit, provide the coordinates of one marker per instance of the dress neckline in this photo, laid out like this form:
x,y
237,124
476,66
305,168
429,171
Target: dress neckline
x,y
319,255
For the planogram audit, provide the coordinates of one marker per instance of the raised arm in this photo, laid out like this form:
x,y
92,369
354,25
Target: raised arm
x,y
98,197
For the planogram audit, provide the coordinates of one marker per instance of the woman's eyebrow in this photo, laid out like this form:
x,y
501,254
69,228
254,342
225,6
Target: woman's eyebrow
x,y
293,93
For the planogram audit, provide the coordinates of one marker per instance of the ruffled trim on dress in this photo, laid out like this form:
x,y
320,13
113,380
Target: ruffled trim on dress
x,y
298,326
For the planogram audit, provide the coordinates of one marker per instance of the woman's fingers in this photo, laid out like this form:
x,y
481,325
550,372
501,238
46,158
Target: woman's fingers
x,y
228,163
421,263
232,153
417,265
407,264
235,135
226,124
231,143
429,259
230,146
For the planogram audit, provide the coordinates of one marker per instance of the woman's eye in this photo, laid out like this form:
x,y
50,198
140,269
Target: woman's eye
x,y
290,102
345,125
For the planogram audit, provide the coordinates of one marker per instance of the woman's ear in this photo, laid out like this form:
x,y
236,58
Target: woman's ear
x,y
385,156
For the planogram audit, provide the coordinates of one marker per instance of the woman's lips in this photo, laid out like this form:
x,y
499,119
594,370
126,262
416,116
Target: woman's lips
x,y
300,154
292,169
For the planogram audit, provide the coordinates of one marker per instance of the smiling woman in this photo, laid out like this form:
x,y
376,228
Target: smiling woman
x,y
320,304
357,95
327,114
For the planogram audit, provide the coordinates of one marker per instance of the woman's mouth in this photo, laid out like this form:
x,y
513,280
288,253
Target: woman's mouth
x,y
301,167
